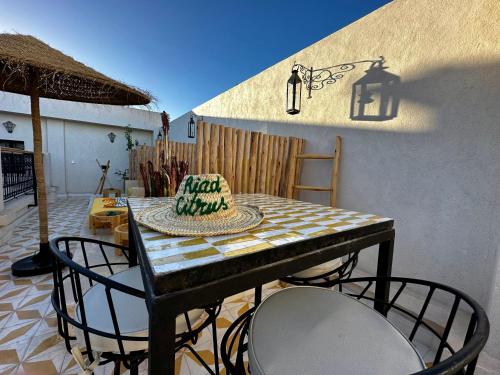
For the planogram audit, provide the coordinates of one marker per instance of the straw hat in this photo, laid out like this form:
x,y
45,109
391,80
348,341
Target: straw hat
x,y
203,206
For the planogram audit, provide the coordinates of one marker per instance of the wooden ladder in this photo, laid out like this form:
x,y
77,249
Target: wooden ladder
x,y
335,172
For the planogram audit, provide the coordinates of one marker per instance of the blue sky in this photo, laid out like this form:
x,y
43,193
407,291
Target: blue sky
x,y
184,52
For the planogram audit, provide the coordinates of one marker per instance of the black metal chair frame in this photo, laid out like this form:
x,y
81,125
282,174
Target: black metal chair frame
x,y
325,280
63,258
461,361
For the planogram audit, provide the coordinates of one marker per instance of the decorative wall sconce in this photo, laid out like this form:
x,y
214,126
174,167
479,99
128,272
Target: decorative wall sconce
x,y
158,137
9,125
316,79
293,93
112,137
136,143
191,128
375,96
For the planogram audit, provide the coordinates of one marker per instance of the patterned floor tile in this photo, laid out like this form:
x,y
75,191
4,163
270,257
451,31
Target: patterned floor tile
x,y
29,341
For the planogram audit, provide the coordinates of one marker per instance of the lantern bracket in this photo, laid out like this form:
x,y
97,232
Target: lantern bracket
x,y
316,79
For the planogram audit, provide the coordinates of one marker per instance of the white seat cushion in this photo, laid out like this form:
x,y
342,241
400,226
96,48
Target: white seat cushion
x,y
316,331
320,269
131,312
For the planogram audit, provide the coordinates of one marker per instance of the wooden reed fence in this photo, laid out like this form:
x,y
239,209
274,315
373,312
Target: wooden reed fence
x,y
251,162
161,151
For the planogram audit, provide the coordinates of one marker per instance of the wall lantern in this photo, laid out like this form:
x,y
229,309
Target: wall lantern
x,y
375,96
317,79
112,137
293,93
9,125
158,137
191,127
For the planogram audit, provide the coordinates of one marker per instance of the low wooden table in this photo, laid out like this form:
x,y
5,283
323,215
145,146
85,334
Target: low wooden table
x,y
182,273
97,207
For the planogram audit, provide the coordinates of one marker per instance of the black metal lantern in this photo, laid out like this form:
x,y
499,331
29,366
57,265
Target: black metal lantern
x,y
112,137
293,93
375,96
158,138
191,128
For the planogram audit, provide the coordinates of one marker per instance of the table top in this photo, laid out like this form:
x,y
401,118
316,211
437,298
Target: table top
x,y
286,221
98,206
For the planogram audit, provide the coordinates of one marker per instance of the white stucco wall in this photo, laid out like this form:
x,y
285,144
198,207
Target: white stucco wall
x,y
74,135
435,168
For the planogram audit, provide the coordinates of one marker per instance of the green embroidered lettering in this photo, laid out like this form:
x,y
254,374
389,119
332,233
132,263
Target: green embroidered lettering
x,y
204,187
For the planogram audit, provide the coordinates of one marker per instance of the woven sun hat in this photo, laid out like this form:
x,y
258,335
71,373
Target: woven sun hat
x,y
202,207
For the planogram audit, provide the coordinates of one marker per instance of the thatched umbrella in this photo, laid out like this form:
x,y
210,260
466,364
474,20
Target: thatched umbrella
x,y
30,67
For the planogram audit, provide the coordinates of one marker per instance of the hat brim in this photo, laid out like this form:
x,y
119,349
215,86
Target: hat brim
x,y
162,219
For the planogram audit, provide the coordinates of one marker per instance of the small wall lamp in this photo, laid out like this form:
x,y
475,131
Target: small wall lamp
x,y
191,128
315,79
112,137
9,125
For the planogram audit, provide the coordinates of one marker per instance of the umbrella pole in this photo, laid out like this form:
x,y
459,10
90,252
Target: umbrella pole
x,y
41,262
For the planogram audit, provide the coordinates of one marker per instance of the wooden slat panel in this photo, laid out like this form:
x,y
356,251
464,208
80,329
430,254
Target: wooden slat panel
x,y
246,162
271,167
284,166
316,156
228,156
240,149
233,154
214,145
206,148
292,161
314,188
220,151
298,168
263,153
335,172
279,165
254,147
193,159
199,147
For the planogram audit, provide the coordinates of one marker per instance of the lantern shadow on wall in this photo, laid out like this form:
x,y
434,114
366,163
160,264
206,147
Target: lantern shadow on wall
x,y
375,96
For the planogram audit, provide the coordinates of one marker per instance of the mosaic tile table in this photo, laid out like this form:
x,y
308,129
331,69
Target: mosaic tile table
x,y
182,273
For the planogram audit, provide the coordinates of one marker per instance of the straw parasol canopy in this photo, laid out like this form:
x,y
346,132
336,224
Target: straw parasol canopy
x,y
59,76
31,67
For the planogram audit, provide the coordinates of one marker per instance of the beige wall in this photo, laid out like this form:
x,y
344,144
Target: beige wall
x,y
435,168
420,40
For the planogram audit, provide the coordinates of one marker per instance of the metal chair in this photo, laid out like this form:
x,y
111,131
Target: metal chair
x,y
452,350
109,322
325,275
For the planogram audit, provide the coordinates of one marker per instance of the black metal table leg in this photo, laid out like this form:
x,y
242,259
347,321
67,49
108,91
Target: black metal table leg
x,y
258,295
132,247
384,269
161,339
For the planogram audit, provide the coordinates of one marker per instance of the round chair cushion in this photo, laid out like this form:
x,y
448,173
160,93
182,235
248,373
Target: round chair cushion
x,y
317,331
319,269
131,313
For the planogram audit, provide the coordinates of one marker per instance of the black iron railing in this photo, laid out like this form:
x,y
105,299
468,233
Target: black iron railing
x,y
18,173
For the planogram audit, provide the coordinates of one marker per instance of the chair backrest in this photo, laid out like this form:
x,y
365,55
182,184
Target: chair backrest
x,y
455,348
81,263
441,316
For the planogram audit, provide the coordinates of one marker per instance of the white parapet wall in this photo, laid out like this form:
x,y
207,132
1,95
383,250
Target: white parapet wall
x,y
75,135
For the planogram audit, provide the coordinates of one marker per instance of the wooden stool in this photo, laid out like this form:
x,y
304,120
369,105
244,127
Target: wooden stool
x,y
121,237
107,218
115,192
